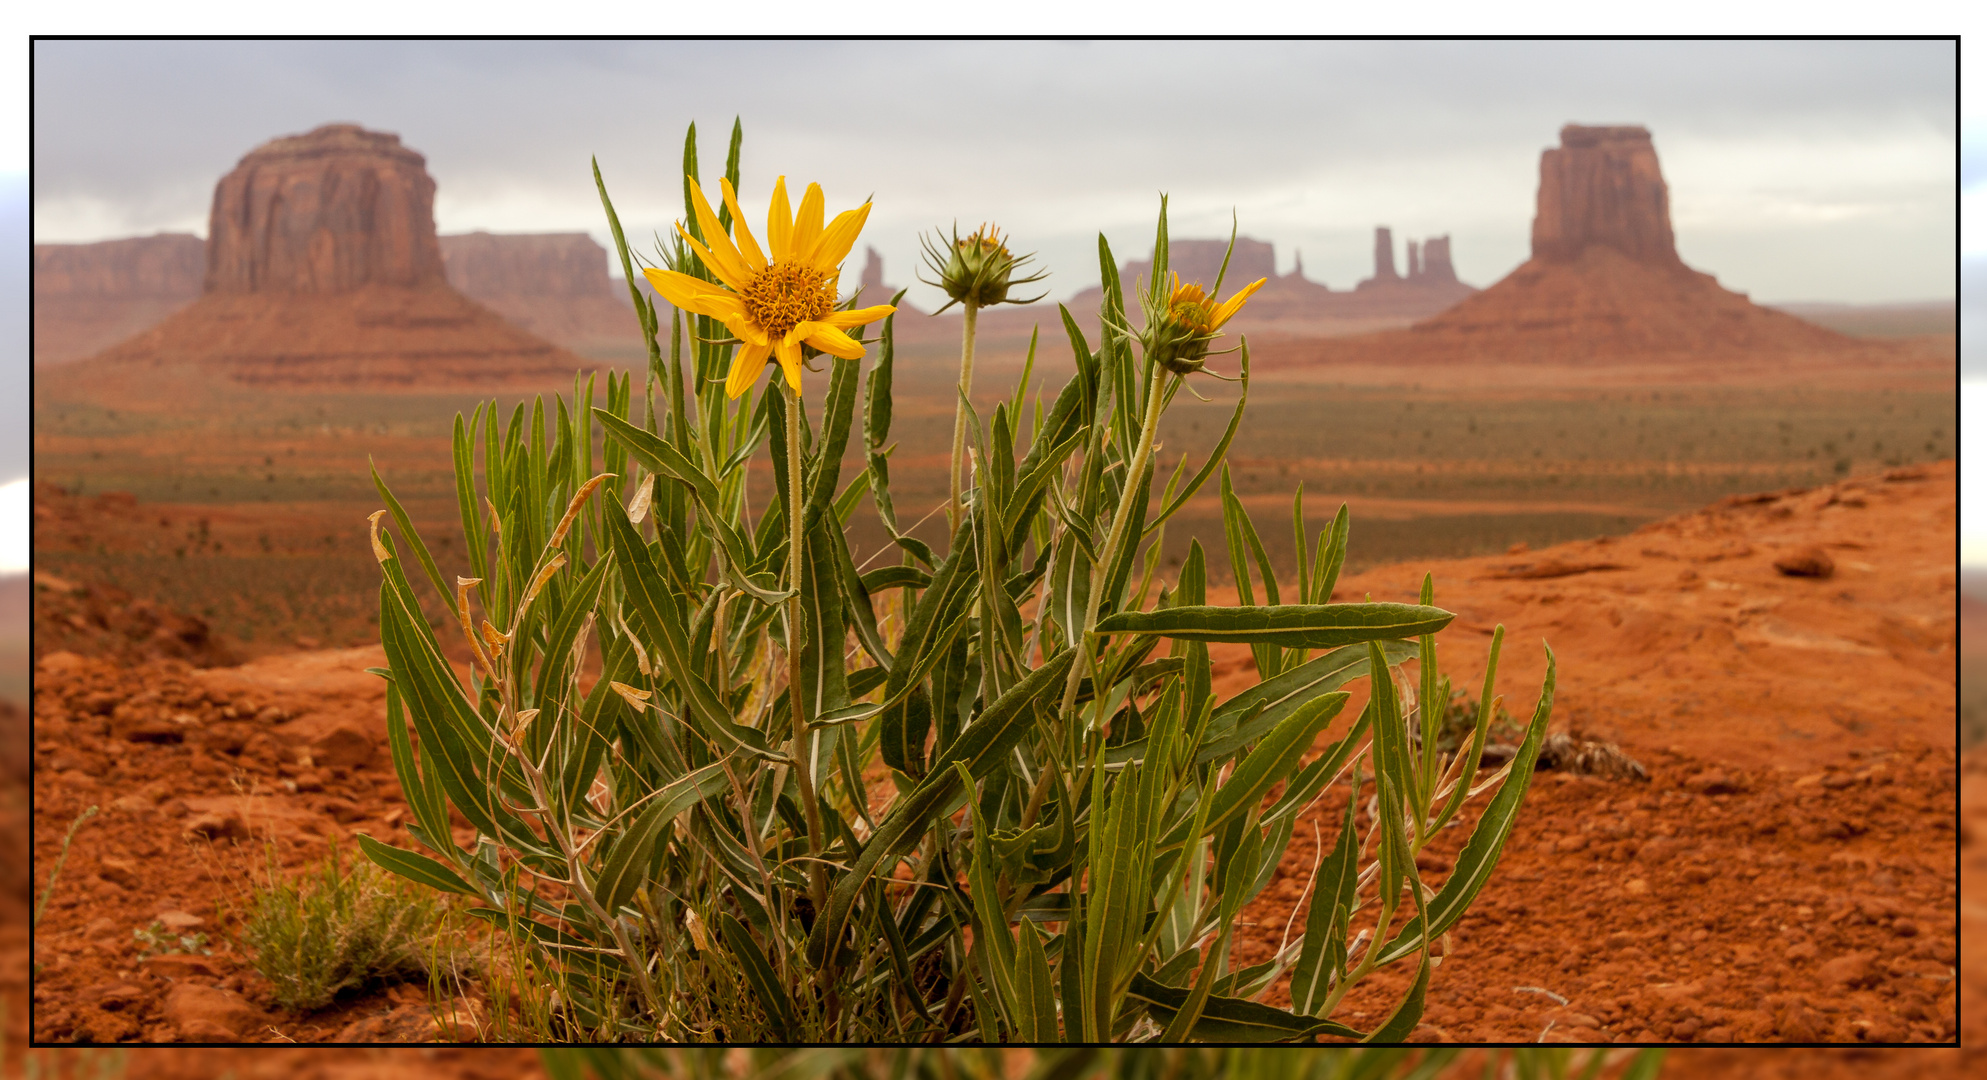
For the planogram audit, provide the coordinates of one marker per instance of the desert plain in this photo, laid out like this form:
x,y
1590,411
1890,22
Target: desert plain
x,y
1735,527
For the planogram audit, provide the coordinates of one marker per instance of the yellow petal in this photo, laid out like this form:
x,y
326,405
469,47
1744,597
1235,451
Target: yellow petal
x,y
1227,311
787,352
689,293
829,340
844,320
779,222
839,238
747,245
733,270
806,224
732,273
745,369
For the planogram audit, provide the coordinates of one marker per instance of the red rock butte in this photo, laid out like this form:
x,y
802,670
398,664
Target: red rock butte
x,y
323,269
1604,281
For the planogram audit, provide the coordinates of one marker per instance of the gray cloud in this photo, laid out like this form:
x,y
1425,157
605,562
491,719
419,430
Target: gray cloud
x,y
1799,170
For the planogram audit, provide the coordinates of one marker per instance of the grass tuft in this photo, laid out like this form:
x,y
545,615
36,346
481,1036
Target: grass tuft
x,y
335,930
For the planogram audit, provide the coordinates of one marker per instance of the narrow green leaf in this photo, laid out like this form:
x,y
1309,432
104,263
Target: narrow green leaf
x,y
759,973
1486,843
415,867
1311,626
624,864
1271,761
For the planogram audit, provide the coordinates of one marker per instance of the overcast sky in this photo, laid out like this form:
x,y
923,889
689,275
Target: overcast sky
x,y
1797,171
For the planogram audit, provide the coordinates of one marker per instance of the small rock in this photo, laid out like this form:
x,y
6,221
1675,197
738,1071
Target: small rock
x,y
310,780
132,804
173,808
272,714
122,872
344,811
97,1026
205,1031
1810,562
1881,1029
213,826
1797,1023
196,1011
343,747
1636,887
180,922
60,662
1656,851
1848,970
1904,928
1801,950
182,966
118,996
1715,782
462,1022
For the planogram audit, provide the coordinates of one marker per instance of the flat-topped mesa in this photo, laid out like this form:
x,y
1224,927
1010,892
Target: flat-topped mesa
x,y
167,266
332,211
485,266
1603,185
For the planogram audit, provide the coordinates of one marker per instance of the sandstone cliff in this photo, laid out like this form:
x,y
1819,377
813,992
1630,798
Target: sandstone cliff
x,y
89,296
335,210
554,285
1604,280
323,269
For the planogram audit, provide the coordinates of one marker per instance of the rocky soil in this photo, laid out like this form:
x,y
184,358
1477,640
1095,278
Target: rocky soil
x,y
1788,872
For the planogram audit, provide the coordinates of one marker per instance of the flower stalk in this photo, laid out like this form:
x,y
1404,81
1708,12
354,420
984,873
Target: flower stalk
x,y
970,331
800,750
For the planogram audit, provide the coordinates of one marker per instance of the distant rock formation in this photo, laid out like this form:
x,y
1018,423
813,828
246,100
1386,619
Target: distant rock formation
x,y
1604,279
1292,302
328,212
874,290
1200,260
90,296
1383,256
555,285
323,268
1602,185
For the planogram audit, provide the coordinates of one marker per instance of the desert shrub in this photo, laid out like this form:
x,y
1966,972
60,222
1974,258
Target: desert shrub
x,y
982,792
338,928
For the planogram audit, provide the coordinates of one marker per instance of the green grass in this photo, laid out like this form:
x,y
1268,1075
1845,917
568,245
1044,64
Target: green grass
x,y
339,929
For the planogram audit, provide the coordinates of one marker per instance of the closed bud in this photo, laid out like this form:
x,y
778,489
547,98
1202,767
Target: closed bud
x,y
977,269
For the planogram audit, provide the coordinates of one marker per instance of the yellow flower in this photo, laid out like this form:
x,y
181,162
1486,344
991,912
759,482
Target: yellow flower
x,y
773,305
1180,337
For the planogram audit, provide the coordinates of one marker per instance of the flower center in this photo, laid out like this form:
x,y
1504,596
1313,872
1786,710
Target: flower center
x,y
1193,314
786,294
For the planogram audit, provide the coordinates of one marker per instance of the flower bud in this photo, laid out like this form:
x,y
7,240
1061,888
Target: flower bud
x,y
977,270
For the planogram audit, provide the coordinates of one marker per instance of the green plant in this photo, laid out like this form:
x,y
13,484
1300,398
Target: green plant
x,y
1100,1063
319,935
155,940
964,796
55,872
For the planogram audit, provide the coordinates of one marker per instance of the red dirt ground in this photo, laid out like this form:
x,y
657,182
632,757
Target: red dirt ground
x,y
1788,873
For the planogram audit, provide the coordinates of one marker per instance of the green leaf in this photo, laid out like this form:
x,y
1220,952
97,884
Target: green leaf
x,y
624,864
1321,961
1407,1014
415,867
1234,1020
981,747
1486,843
1036,1019
759,973
413,539
1272,760
1309,626
1281,696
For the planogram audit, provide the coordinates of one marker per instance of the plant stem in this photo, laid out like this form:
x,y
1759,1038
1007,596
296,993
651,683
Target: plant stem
x,y
817,874
959,413
1120,525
